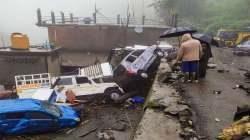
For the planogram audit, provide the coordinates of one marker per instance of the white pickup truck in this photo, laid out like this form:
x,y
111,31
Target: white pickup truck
x,y
83,86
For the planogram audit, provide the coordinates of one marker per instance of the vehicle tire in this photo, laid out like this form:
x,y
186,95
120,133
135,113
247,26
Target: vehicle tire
x,y
142,74
112,94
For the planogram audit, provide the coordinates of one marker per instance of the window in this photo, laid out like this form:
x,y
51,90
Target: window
x,y
14,116
138,52
82,80
131,59
65,81
39,116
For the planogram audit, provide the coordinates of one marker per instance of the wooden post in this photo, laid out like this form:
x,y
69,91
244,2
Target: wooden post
x,y
71,18
118,19
53,19
63,18
39,16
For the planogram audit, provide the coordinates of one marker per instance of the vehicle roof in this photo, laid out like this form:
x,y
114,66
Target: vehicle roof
x,y
18,105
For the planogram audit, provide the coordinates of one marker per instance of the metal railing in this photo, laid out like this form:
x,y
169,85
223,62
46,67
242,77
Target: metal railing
x,y
96,19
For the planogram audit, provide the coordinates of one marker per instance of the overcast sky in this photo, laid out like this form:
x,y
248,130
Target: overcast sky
x,y
20,15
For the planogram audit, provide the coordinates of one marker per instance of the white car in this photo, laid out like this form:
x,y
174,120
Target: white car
x,y
83,87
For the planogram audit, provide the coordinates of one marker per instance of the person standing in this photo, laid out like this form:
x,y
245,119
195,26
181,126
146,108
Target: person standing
x,y
189,54
206,55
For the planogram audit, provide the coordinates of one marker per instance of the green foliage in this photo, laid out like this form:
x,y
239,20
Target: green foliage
x,y
210,15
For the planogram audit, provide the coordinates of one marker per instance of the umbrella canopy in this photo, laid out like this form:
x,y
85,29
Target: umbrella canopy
x,y
177,31
203,38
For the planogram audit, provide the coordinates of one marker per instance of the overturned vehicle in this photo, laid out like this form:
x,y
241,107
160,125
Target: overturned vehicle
x,y
137,70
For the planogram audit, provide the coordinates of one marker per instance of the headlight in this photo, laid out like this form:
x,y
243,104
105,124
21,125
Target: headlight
x,y
77,119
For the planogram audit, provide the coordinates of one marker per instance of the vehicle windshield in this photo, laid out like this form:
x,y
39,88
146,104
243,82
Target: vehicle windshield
x,y
52,109
65,81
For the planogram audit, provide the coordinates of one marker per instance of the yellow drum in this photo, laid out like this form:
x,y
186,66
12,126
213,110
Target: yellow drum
x,y
19,41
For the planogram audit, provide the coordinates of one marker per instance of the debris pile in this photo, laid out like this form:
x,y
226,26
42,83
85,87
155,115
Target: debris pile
x,y
173,105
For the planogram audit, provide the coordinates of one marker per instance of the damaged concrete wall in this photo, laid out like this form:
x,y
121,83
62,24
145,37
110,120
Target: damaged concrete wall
x,y
100,38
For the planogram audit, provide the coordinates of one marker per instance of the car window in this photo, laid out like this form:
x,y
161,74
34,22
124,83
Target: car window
x,y
39,115
138,52
82,80
131,59
65,81
14,116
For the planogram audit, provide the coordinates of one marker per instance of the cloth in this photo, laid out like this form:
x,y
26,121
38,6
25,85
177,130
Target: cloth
x,y
60,98
190,50
189,66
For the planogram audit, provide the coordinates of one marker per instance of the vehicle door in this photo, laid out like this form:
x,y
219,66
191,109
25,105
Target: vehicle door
x,y
15,123
42,122
85,86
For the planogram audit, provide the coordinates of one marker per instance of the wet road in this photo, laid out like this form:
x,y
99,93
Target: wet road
x,y
209,106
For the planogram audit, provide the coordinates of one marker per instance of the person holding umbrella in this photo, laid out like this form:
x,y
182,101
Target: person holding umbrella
x,y
189,53
206,41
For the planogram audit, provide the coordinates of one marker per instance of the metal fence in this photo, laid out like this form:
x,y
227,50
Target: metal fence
x,y
96,19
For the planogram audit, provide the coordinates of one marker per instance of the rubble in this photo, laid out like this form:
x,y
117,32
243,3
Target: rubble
x,y
175,109
105,135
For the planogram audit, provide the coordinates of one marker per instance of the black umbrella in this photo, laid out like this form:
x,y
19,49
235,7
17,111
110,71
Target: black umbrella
x,y
177,31
203,38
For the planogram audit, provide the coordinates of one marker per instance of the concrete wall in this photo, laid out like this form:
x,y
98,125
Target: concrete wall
x,y
12,65
54,64
100,37
17,65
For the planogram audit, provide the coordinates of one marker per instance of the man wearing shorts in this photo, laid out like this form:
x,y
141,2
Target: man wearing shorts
x,y
189,53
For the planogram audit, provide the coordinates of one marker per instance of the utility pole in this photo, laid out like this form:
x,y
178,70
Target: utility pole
x,y
39,16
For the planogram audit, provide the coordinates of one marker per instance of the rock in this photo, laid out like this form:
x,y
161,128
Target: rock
x,y
175,109
165,102
217,119
105,135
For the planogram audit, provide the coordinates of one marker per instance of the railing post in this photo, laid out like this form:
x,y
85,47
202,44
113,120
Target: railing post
x,y
118,19
143,19
39,17
63,18
71,17
53,19
94,18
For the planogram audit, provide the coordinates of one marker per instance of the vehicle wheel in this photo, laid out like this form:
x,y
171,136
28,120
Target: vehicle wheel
x,y
112,94
143,74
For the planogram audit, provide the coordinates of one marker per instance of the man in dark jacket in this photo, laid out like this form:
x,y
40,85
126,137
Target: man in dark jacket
x,y
206,54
